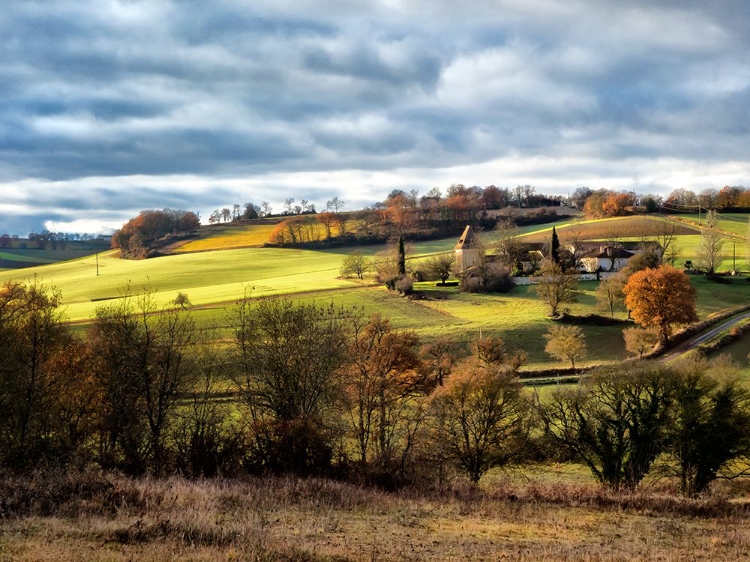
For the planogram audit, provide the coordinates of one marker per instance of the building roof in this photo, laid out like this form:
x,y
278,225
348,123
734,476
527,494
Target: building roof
x,y
608,252
468,239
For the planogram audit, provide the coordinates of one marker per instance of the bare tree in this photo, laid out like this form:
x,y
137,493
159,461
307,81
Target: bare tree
x,y
143,366
710,254
355,264
555,286
666,237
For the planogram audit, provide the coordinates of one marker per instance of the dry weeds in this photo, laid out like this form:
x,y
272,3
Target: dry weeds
x,y
106,517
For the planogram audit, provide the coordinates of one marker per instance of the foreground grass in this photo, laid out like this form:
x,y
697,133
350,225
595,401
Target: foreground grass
x,y
113,518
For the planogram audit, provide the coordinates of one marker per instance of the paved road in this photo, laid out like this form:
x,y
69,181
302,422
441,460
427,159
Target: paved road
x,y
695,341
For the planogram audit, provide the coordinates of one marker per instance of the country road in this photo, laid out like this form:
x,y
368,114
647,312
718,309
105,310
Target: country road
x,y
698,339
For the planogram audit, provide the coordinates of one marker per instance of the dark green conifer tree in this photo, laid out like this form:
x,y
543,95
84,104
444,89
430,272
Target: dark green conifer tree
x,y
555,247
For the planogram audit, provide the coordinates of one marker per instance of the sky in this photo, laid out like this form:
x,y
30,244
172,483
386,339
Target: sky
x,y
110,107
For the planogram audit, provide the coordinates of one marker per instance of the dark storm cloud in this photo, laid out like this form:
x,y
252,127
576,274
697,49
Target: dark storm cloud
x,y
113,104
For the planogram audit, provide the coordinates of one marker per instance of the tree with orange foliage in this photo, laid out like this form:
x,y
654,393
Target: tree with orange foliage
x,y
327,219
481,417
660,297
384,378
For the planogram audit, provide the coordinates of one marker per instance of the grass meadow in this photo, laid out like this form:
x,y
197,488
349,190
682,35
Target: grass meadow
x,y
225,237
735,223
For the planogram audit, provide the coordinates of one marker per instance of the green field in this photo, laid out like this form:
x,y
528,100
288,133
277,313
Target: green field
x,y
214,280
735,223
17,257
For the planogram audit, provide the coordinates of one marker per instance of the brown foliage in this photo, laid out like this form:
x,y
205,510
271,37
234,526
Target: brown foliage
x,y
660,297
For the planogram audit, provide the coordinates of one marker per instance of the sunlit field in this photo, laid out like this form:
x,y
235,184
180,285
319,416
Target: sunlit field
x,y
215,280
224,237
735,223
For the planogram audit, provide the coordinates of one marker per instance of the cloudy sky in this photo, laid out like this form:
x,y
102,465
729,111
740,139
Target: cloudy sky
x,y
108,107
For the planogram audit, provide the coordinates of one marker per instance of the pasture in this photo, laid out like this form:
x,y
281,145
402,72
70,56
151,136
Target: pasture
x,y
214,280
733,223
22,254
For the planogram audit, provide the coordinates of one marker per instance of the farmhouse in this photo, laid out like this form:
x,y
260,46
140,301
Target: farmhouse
x,y
610,256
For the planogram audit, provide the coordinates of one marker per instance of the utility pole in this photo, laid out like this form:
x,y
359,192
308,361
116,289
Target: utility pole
x,y
97,264
734,257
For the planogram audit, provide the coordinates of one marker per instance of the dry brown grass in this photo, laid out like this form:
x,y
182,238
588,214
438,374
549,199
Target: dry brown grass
x,y
115,518
611,229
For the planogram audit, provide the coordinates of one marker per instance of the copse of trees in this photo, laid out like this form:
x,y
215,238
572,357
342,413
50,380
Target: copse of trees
x,y
135,238
329,391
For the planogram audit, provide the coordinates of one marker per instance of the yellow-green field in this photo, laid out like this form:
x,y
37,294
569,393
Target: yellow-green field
x,y
224,237
214,280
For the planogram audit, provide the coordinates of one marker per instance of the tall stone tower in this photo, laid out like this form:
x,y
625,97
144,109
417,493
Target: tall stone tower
x,y
467,250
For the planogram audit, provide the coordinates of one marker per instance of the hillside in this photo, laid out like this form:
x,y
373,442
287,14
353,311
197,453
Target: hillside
x,y
214,280
22,254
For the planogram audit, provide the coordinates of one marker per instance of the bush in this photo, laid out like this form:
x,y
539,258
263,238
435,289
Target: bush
x,y
491,278
405,286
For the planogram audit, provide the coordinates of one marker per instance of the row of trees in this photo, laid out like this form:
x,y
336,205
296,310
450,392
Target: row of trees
x,y
610,203
329,391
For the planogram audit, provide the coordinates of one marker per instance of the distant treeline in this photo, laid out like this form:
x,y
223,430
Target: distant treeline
x,y
417,218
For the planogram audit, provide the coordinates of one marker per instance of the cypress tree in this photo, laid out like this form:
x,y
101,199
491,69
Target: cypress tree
x,y
555,247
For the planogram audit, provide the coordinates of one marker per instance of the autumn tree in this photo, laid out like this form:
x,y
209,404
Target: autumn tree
x,y
494,351
383,382
640,340
34,340
566,342
438,359
481,416
660,297
555,286
327,219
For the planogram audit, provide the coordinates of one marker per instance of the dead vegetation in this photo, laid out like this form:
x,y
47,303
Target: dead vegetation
x,y
97,516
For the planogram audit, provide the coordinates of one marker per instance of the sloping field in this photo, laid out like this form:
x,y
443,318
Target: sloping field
x,y
224,237
603,229
734,223
16,257
206,277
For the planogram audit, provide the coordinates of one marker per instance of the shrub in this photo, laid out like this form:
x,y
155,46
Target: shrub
x,y
405,286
